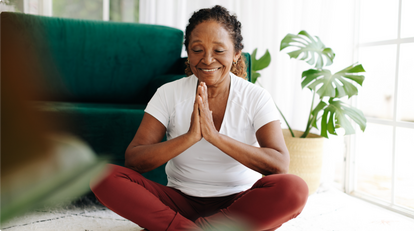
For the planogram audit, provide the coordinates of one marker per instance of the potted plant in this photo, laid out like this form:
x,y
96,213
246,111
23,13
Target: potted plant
x,y
329,111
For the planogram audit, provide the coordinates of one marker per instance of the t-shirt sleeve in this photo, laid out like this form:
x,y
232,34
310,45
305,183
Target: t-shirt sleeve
x,y
158,106
265,111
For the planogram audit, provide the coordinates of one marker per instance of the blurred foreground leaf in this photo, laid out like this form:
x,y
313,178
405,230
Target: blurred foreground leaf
x,y
62,177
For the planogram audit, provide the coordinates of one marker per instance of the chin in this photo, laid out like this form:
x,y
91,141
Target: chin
x,y
211,79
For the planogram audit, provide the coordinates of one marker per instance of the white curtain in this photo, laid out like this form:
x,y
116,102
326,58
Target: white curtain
x,y
264,24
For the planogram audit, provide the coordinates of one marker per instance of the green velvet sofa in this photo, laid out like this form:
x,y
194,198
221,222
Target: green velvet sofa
x,y
95,76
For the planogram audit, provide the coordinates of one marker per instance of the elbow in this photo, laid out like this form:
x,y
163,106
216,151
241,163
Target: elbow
x,y
128,158
135,167
283,168
130,161
286,162
276,170
277,165
279,169
128,164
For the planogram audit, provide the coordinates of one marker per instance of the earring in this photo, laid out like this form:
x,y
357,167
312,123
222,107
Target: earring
x,y
235,62
188,61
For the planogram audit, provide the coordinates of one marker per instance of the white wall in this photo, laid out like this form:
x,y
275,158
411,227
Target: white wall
x,y
265,23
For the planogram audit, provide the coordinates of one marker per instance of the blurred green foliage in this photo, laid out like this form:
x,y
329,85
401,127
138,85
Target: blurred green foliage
x,y
121,13
8,2
93,9
18,4
79,9
119,10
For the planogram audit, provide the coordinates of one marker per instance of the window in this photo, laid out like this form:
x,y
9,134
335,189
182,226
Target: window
x,y
11,5
112,10
124,10
91,9
380,161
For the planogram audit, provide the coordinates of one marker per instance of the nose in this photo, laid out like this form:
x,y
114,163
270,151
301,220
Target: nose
x,y
208,58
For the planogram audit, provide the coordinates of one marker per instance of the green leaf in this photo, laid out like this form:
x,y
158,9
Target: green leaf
x,y
262,62
329,52
324,123
321,105
255,75
356,69
335,85
356,78
254,55
331,124
313,76
309,48
338,115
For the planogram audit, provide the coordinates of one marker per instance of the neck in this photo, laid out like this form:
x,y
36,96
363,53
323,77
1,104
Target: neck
x,y
220,89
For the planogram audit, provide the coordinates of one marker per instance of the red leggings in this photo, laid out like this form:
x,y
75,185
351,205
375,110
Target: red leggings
x,y
271,201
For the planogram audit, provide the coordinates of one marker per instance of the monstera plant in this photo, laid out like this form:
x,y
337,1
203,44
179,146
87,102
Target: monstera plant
x,y
331,87
330,112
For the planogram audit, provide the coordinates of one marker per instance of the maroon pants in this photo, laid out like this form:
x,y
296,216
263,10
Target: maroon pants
x,y
271,201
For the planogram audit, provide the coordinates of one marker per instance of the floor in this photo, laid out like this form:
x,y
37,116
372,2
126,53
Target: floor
x,y
327,210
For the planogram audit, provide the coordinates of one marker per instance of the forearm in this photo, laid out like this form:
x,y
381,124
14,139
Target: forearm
x,y
261,159
144,158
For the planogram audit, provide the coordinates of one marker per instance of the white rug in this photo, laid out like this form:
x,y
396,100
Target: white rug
x,y
327,210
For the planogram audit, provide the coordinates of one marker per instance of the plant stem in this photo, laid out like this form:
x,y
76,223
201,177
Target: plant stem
x,y
310,118
290,129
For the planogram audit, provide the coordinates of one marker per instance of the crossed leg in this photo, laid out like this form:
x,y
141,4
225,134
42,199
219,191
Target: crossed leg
x,y
144,202
271,201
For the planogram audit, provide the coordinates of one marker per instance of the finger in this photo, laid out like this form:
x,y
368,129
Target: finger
x,y
200,102
199,90
204,95
204,110
196,107
201,106
205,90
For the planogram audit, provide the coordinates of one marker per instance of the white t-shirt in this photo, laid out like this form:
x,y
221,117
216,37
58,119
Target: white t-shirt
x,y
203,170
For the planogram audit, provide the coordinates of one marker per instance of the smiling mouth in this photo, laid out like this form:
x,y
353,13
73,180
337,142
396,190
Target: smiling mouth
x,y
209,70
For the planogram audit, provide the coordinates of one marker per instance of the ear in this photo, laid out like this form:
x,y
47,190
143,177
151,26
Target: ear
x,y
237,55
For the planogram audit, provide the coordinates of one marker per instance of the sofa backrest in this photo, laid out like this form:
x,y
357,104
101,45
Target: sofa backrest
x,y
91,61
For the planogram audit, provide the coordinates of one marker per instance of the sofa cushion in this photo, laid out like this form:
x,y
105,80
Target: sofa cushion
x,y
107,128
92,61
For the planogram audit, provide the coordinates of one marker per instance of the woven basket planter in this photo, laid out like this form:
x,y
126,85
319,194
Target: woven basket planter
x,y
305,157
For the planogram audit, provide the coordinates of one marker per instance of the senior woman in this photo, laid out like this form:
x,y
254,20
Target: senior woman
x,y
223,135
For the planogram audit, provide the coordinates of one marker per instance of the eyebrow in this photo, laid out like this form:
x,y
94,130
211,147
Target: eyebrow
x,y
199,41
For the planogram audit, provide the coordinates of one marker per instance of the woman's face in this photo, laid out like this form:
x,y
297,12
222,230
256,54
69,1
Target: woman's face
x,y
211,53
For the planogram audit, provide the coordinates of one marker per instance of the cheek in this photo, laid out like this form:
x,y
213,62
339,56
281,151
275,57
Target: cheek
x,y
193,61
228,59
193,69
227,63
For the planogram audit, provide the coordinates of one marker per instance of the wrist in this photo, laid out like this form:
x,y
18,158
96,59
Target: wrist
x,y
213,138
191,137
